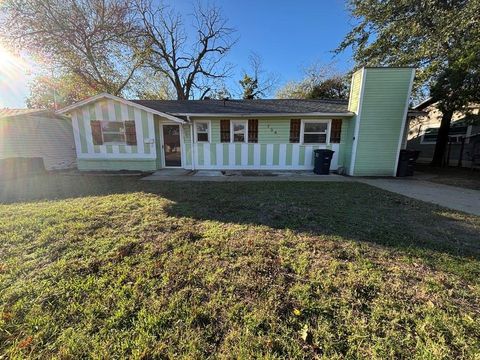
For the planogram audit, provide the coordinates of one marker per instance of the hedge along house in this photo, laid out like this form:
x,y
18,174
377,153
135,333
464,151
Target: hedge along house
x,y
365,132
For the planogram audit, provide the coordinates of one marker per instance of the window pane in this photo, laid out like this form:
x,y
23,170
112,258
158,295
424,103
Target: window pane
x,y
202,137
315,127
314,138
239,137
202,127
238,127
112,126
113,138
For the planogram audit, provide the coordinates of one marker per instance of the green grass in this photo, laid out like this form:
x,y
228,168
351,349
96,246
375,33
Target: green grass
x,y
111,267
451,175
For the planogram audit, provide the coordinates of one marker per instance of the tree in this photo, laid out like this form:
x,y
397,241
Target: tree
x,y
249,86
220,93
50,92
438,37
95,40
257,83
319,82
190,65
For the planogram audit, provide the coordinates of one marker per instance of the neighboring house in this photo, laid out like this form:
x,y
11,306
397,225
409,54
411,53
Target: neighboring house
x,y
423,131
366,132
29,133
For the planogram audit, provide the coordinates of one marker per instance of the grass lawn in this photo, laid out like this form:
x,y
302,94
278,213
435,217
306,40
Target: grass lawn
x,y
112,267
462,177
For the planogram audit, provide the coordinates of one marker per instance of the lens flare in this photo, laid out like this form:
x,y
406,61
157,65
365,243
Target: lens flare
x,y
13,73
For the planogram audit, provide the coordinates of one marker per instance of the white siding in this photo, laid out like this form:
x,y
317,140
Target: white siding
x,y
38,136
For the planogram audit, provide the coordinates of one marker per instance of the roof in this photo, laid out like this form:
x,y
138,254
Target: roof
x,y
424,104
7,113
248,107
89,100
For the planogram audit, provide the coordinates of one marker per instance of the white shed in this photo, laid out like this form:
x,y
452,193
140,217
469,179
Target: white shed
x,y
30,133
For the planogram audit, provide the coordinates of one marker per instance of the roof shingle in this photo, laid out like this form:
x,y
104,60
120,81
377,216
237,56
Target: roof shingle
x,y
260,106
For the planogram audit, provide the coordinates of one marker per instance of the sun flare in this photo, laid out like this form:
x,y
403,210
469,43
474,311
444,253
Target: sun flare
x,y
9,63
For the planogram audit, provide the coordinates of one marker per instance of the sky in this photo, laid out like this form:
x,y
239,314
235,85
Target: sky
x,y
288,35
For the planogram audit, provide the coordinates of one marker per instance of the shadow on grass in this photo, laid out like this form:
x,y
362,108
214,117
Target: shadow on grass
x,y
349,210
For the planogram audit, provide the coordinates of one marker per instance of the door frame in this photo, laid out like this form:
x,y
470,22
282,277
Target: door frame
x,y
162,143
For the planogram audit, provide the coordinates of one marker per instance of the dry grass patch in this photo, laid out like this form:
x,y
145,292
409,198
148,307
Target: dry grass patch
x,y
112,267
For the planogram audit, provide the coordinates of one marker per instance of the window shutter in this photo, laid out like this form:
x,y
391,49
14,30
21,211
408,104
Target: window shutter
x,y
295,130
253,131
96,132
336,131
224,130
130,133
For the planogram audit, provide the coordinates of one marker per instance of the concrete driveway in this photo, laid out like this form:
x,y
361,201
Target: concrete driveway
x,y
452,197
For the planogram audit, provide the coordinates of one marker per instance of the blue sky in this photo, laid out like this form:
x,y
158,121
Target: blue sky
x,y
288,35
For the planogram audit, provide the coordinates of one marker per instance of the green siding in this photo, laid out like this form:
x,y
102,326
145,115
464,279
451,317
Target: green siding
x,y
386,92
158,144
355,90
273,131
263,154
215,131
104,107
345,155
288,160
213,154
131,113
238,154
116,165
146,135
201,155
91,110
81,130
276,154
251,153
118,110
225,154
301,155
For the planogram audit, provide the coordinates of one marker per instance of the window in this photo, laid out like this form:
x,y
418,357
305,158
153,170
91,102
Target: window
x,y
238,130
315,132
457,131
202,129
113,131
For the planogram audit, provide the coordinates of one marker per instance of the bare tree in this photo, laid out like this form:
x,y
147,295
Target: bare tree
x,y
257,82
91,39
190,65
319,81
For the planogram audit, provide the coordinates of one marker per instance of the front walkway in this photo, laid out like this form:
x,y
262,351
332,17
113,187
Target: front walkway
x,y
452,197
238,176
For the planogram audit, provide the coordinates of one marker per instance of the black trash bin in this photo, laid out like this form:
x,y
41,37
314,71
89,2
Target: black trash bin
x,y
406,162
322,160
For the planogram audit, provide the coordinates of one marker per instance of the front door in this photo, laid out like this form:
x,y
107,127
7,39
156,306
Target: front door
x,y
171,145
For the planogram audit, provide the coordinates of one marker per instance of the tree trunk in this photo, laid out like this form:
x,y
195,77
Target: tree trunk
x,y
442,139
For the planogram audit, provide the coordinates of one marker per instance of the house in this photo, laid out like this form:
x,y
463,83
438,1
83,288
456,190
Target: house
x,y
365,132
423,131
40,134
